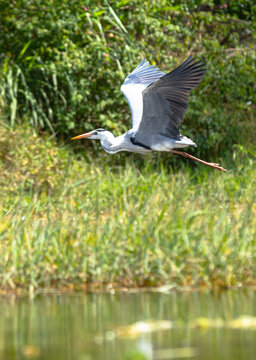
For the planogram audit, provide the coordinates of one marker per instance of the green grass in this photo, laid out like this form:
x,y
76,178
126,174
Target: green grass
x,y
69,218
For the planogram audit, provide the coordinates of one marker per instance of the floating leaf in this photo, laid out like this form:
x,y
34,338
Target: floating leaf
x,y
175,353
30,351
243,322
205,323
142,327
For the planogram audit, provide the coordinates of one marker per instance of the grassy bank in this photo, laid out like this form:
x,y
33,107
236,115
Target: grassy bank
x,y
133,221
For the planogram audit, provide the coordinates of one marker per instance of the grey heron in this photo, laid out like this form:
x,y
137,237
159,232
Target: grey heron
x,y
158,103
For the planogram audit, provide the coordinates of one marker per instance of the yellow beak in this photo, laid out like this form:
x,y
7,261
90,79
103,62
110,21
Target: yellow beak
x,y
87,135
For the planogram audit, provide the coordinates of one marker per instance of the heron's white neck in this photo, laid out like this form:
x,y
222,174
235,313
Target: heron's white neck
x,y
112,144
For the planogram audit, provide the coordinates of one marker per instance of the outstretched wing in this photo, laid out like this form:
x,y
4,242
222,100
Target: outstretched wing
x,y
133,86
166,100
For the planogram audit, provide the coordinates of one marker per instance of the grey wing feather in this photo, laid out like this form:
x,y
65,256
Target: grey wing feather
x,y
143,74
166,100
133,86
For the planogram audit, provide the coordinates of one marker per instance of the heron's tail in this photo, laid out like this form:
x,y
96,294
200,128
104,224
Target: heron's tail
x,y
183,142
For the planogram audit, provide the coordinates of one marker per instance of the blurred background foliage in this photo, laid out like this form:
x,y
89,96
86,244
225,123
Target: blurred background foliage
x,y
62,63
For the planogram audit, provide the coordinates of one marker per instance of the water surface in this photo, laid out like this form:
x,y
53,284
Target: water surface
x,y
130,326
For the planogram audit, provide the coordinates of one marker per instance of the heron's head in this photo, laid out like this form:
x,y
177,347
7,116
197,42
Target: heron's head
x,y
97,134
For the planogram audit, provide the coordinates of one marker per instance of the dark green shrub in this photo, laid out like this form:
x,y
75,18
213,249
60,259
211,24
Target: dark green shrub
x,y
63,62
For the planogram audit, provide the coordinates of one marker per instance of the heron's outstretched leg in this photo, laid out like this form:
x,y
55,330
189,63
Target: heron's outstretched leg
x,y
213,165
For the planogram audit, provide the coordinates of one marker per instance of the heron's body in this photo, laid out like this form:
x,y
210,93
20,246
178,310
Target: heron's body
x,y
158,102
112,144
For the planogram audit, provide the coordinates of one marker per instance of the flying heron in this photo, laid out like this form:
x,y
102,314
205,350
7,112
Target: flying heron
x,y
158,103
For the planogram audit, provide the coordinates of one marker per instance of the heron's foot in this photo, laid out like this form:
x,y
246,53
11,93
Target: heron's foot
x,y
213,165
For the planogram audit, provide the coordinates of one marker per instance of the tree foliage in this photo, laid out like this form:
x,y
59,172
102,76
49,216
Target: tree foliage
x,y
62,63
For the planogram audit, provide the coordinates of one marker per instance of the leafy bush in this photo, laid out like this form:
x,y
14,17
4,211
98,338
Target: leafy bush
x,y
63,62
29,162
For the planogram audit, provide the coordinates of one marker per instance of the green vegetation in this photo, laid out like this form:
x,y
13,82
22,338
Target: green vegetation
x,y
67,219
63,63
70,216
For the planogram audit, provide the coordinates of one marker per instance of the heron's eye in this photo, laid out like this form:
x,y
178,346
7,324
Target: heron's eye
x,y
95,133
